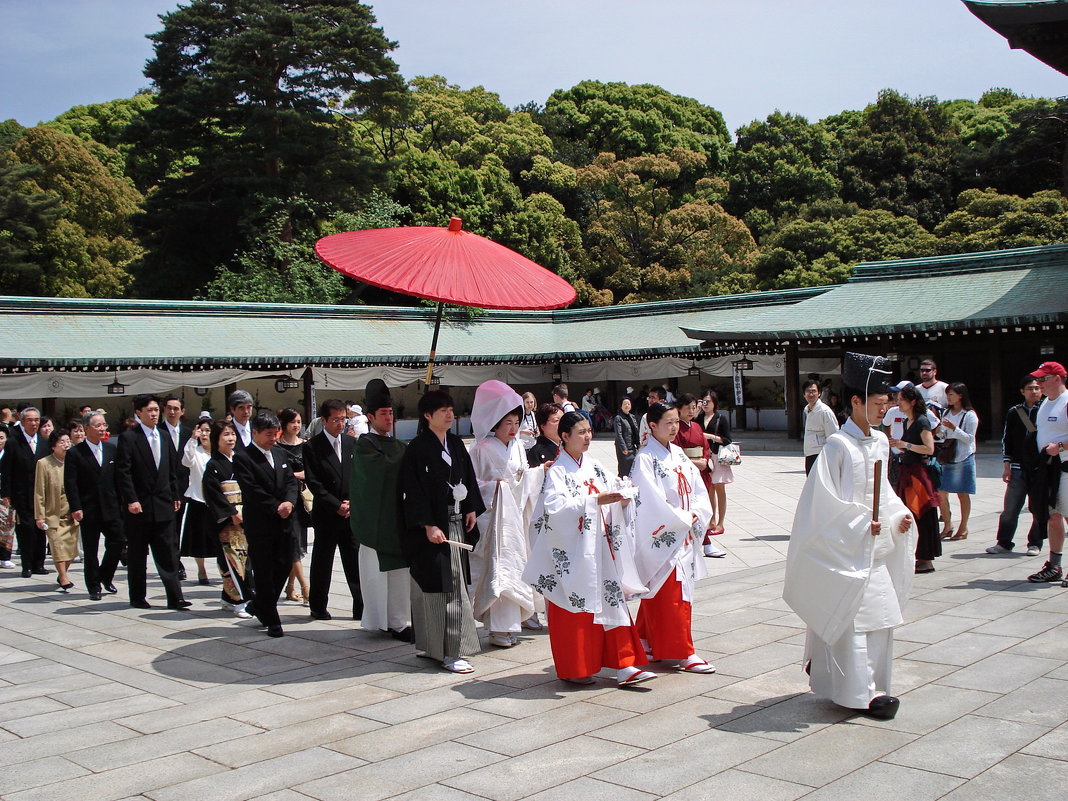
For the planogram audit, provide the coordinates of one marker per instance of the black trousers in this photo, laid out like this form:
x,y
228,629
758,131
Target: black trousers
x,y
327,540
271,556
97,572
160,538
31,541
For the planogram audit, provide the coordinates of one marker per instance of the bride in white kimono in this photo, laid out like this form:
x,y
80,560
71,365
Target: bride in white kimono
x,y
672,516
847,575
583,563
510,489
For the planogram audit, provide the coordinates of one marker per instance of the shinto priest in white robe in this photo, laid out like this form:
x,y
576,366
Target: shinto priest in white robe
x,y
583,554
848,586
500,598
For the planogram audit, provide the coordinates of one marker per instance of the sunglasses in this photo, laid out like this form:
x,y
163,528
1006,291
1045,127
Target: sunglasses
x,y
926,370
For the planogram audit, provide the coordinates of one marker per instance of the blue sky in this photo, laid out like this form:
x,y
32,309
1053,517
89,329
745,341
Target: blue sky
x,y
745,58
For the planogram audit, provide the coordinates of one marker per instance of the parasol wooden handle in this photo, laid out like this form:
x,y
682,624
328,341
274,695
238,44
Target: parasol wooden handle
x,y
875,496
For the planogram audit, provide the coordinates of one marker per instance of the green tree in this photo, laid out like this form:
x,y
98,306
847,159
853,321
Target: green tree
x,y
243,109
90,248
898,156
780,165
650,239
988,220
594,117
827,240
26,215
103,127
285,269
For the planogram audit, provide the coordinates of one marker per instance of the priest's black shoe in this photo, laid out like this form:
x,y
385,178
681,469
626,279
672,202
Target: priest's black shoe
x,y
275,631
404,635
882,708
324,615
140,604
180,605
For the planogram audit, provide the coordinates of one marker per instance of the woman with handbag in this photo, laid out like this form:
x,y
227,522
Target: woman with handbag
x,y
718,433
914,485
626,432
958,458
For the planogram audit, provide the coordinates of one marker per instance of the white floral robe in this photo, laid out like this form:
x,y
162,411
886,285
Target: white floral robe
x,y
510,491
583,557
667,537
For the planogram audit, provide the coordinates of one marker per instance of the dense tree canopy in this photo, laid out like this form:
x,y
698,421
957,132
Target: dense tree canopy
x,y
269,124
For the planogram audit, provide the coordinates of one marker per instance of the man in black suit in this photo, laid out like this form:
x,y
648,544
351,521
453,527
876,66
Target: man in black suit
x,y
327,464
240,405
27,447
89,479
147,481
177,434
269,493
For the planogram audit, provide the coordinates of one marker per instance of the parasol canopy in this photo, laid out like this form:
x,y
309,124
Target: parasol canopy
x,y
449,265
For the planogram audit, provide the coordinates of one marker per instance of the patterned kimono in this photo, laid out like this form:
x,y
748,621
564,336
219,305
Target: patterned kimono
x,y
673,512
582,562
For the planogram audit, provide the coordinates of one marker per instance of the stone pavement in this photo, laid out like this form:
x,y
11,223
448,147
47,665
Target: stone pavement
x,y
100,701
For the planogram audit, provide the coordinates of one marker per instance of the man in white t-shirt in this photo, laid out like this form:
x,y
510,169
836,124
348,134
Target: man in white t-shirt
x,y
930,388
1052,441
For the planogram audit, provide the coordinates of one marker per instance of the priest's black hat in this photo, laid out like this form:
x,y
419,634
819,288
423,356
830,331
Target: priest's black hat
x,y
864,374
376,396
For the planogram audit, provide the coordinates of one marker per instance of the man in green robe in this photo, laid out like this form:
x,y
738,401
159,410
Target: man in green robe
x,y
376,519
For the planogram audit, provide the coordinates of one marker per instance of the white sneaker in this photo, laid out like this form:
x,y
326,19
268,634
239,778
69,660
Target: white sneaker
x,y
7,564
714,552
999,548
1033,550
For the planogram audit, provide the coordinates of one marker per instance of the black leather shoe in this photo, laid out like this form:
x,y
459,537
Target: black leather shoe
x,y
140,604
324,615
111,588
275,631
181,572
882,708
27,573
404,635
180,605
41,571
95,596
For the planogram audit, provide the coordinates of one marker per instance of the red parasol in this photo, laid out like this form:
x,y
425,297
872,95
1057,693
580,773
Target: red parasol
x,y
448,265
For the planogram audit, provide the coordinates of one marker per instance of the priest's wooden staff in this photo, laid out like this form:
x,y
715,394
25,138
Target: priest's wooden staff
x,y
875,498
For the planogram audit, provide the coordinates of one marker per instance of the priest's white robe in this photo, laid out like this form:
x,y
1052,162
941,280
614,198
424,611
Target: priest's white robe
x,y
583,555
848,586
501,599
667,537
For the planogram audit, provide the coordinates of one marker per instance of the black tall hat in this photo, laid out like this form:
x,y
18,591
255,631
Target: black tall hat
x,y
863,372
376,396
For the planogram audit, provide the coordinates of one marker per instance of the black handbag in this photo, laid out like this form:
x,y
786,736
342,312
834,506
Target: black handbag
x,y
947,452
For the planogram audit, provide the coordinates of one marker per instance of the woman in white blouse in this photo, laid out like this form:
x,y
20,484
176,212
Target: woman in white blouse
x,y
958,473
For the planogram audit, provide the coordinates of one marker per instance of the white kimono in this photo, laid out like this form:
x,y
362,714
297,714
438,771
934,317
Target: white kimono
x,y
583,555
847,585
667,538
510,490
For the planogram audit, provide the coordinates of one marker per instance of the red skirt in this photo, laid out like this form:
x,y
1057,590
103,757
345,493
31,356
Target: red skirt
x,y
664,622
581,647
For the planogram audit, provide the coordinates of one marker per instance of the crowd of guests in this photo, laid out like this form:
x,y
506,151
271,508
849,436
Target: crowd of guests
x,y
931,426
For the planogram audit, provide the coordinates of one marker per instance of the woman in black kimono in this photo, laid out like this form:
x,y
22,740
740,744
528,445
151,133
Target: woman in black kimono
x,y
441,501
222,496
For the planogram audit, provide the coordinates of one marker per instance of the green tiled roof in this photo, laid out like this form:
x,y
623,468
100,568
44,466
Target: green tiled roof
x,y
196,335
1024,286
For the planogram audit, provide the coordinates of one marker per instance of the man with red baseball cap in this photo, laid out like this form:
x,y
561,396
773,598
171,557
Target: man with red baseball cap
x,y
1052,440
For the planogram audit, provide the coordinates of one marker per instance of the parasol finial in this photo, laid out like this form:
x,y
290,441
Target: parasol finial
x,y
455,224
